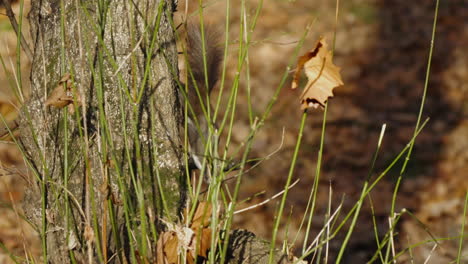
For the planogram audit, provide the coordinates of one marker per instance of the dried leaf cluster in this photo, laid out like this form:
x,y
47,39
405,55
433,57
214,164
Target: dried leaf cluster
x,y
193,241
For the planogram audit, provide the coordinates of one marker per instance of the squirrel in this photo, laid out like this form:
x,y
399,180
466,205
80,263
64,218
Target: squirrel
x,y
200,84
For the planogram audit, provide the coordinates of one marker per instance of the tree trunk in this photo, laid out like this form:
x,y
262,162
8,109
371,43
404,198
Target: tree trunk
x,y
109,164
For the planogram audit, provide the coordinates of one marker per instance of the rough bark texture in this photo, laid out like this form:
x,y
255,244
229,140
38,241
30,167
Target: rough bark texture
x,y
246,248
81,158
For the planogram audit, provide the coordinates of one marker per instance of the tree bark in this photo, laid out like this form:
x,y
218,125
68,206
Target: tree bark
x,y
117,149
246,248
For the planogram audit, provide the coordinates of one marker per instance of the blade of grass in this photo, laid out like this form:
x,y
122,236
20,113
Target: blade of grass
x,y
462,232
286,187
361,199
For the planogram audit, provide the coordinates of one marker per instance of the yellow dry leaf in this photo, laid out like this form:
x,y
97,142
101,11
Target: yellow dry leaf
x,y
323,76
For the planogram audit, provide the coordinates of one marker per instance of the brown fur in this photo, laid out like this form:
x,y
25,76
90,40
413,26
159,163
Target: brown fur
x,y
197,55
196,66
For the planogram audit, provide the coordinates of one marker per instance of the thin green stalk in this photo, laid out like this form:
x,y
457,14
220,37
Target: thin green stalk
x,y
105,133
361,199
205,66
63,64
243,32
42,181
18,52
11,83
10,254
386,240
286,187
155,151
376,231
231,109
421,108
150,51
377,180
462,232
142,242
422,243
423,99
44,192
230,207
313,196
320,153
225,56
241,57
392,216
65,178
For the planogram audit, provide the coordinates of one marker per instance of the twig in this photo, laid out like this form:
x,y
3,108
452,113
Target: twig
x,y
128,56
256,162
11,17
430,254
265,201
316,240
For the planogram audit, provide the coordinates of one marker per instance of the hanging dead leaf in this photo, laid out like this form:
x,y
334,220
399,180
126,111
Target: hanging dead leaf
x,y
202,215
61,96
323,76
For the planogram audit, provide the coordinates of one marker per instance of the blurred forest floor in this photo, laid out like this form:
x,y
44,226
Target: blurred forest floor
x,y
382,48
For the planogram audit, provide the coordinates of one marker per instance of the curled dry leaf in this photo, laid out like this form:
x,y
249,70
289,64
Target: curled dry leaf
x,y
323,76
61,96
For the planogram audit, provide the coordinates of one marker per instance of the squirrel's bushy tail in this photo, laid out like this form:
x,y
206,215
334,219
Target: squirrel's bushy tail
x,y
196,51
202,50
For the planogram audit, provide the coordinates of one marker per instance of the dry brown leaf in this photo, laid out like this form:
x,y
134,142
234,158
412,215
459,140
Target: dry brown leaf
x,y
200,241
167,248
171,249
186,239
61,95
202,215
201,219
160,249
190,259
323,76
205,242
